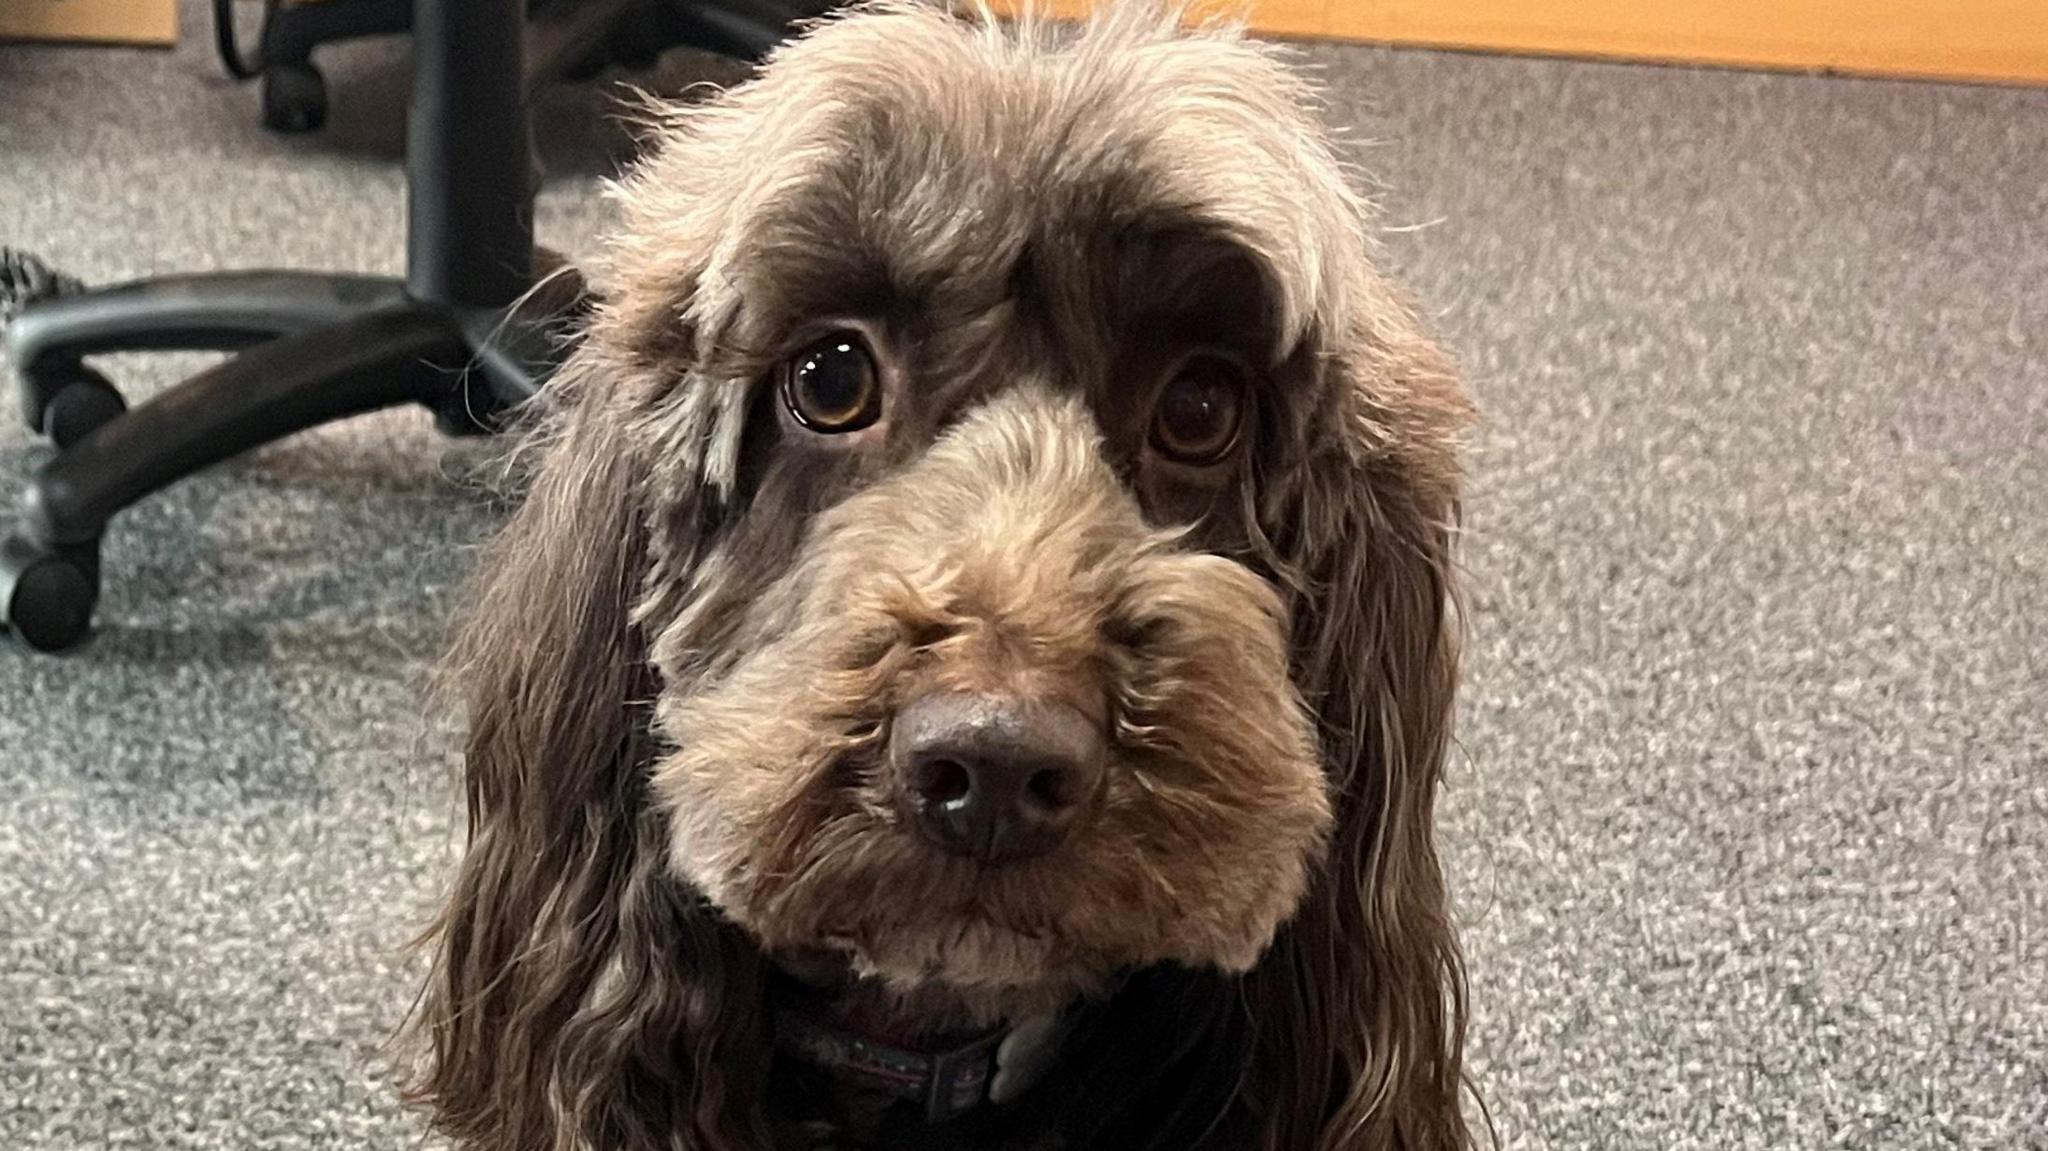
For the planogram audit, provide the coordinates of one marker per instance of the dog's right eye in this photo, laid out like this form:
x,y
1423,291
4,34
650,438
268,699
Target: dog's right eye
x,y
833,386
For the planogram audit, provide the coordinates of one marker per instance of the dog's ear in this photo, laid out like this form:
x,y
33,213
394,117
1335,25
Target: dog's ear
x,y
1359,1009
574,985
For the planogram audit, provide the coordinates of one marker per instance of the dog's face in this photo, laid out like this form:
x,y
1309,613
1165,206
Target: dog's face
x,y
983,680
994,534
993,724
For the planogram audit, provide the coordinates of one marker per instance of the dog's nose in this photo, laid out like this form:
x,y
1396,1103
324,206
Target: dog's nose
x,y
994,777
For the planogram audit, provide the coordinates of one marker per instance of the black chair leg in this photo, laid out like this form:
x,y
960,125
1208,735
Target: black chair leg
x,y
49,570
213,312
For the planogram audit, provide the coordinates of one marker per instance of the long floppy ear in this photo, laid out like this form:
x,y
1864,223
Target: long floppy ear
x,y
1359,1008
575,985
1349,1033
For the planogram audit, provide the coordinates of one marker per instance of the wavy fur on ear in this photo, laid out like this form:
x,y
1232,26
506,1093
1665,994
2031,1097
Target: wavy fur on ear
x,y
559,1014
1368,979
1361,1005
1349,1034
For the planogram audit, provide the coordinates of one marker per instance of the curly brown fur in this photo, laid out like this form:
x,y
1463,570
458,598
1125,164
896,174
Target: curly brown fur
x,y
689,644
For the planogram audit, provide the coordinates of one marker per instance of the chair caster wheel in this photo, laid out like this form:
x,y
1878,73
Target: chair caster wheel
x,y
48,594
78,406
294,98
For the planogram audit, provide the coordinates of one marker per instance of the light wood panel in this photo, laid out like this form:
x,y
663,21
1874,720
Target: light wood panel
x,y
1996,40
1972,39
117,21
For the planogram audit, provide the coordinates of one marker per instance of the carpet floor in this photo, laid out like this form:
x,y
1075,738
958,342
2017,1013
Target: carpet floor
x,y
1749,822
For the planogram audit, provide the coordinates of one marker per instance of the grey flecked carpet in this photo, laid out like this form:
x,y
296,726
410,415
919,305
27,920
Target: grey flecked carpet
x,y
1750,828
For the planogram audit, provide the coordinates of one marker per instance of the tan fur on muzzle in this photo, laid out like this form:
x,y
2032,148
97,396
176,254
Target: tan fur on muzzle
x,y
1009,559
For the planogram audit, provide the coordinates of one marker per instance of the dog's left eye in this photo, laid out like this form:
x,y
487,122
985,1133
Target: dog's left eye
x,y
833,385
1200,412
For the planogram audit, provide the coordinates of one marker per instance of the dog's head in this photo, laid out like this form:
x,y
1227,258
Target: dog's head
x,y
995,532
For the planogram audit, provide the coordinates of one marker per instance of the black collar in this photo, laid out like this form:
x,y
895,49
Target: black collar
x,y
996,1066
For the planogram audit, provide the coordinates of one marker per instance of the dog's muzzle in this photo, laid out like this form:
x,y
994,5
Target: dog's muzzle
x,y
996,778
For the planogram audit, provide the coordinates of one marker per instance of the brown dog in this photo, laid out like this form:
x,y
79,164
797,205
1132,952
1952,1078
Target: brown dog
x,y
975,664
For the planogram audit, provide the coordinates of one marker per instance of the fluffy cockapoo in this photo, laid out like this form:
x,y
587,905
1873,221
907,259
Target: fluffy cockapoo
x,y
976,661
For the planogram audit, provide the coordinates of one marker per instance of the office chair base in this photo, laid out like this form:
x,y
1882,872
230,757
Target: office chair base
x,y
341,346
469,333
